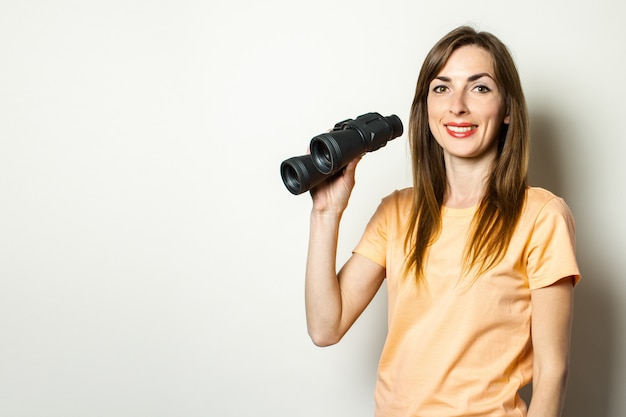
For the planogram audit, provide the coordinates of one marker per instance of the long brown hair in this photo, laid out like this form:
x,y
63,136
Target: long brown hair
x,y
502,202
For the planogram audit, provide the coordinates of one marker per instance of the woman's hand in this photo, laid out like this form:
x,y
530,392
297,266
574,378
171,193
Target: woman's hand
x,y
332,195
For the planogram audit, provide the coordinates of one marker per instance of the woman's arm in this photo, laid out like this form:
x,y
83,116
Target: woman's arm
x,y
334,301
551,328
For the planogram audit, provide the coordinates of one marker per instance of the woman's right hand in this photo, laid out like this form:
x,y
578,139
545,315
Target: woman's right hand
x,y
332,195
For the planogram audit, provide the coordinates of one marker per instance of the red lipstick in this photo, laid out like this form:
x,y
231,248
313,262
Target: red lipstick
x,y
460,130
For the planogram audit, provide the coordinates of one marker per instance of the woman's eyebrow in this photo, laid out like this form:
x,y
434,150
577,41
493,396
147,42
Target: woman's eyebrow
x,y
478,76
470,78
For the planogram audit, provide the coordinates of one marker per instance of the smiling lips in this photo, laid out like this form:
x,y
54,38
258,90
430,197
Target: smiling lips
x,y
460,130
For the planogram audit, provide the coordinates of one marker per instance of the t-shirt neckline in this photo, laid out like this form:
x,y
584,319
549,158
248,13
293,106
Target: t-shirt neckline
x,y
458,212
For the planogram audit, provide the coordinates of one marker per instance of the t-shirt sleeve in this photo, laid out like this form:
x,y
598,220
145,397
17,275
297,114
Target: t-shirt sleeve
x,y
373,243
552,246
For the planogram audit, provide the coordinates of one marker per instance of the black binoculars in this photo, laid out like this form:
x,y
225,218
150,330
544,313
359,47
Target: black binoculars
x,y
332,151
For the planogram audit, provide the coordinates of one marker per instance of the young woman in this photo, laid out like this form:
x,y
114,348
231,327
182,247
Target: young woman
x,y
473,257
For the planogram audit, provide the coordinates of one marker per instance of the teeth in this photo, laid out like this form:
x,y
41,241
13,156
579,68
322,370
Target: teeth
x,y
460,129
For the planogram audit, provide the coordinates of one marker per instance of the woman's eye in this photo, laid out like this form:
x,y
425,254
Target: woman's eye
x,y
440,89
482,89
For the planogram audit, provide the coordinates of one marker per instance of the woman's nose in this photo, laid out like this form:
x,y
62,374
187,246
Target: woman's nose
x,y
458,104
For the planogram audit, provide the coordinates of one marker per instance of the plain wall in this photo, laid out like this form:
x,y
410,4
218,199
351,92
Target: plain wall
x,y
151,260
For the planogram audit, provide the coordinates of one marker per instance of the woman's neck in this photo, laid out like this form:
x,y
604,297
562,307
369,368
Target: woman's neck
x,y
466,183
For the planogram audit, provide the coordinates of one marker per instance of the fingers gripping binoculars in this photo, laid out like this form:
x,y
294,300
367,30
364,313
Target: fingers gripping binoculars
x,y
332,151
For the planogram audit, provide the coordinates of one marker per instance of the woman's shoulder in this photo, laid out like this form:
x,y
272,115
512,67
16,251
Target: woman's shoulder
x,y
397,204
540,195
401,197
541,200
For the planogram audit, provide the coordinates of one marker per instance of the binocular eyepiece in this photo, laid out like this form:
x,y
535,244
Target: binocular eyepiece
x,y
332,151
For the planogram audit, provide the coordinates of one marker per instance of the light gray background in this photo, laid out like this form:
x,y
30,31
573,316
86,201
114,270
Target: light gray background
x,y
151,260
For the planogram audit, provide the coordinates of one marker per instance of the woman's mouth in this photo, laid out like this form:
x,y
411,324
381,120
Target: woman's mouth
x,y
461,130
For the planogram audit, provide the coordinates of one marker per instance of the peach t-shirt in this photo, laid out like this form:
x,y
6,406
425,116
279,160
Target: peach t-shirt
x,y
457,346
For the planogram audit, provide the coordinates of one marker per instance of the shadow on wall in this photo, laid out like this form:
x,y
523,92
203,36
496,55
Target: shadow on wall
x,y
594,315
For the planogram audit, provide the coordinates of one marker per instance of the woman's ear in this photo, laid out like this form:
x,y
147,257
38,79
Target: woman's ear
x,y
507,119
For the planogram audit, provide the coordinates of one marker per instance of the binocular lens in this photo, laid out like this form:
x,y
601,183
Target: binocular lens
x,y
299,174
291,179
321,156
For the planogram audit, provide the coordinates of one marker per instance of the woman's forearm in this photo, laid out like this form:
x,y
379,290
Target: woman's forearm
x,y
322,291
548,393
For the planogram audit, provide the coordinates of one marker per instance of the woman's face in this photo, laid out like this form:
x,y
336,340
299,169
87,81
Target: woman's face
x,y
465,107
